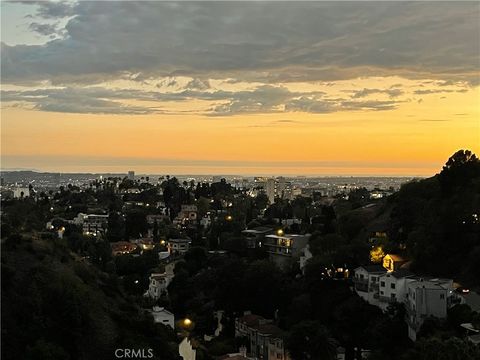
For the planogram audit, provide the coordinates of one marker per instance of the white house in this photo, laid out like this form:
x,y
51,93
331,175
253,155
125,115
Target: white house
x,y
158,285
426,298
366,281
307,255
393,287
186,350
163,316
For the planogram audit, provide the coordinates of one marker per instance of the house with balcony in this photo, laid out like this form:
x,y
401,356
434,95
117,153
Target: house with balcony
x,y
92,224
158,285
282,249
366,282
422,297
393,287
426,298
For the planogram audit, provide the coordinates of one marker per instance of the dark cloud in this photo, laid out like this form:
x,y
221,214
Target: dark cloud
x,y
198,84
286,121
43,29
266,41
366,92
433,91
369,105
82,101
51,9
263,99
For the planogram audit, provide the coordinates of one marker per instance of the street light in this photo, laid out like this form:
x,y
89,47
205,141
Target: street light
x,y
280,232
229,218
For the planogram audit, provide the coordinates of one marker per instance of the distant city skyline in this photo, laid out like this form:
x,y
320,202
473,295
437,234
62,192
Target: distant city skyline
x,y
254,88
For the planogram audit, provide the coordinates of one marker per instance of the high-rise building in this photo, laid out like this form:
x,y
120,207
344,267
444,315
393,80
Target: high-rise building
x,y
280,186
131,175
270,190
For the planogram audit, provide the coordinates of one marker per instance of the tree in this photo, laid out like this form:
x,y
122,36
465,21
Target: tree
x,y
310,340
43,350
196,259
264,289
326,244
136,224
460,168
438,349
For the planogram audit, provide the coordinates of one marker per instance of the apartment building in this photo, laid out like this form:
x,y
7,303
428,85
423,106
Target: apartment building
x,y
265,338
283,248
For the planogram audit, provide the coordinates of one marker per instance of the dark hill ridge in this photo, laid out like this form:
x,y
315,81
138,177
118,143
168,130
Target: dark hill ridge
x,y
56,307
438,220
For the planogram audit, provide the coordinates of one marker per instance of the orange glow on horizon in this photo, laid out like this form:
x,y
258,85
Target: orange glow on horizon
x,y
414,139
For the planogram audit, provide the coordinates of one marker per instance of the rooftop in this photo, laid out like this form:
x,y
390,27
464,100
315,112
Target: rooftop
x,y
373,268
179,240
402,273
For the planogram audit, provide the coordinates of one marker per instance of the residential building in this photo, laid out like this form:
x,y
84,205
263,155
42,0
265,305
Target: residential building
x,y
131,175
366,282
187,215
426,298
20,192
304,257
158,285
122,248
144,243
393,262
270,190
205,221
163,316
241,355
255,237
189,212
283,248
281,186
92,224
186,349
393,287
266,340
422,297
152,219
178,246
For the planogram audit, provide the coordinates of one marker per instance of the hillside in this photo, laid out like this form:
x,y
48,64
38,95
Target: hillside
x,y
56,307
436,220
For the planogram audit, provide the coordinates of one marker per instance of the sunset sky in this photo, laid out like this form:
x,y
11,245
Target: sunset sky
x,y
314,88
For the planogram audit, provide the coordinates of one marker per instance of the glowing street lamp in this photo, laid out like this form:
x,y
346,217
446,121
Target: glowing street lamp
x,y
187,322
229,218
280,232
